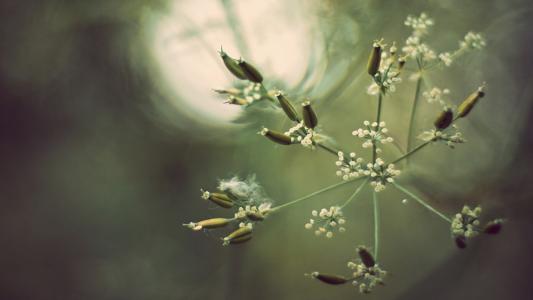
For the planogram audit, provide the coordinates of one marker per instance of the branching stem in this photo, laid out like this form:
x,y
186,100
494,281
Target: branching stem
x,y
425,204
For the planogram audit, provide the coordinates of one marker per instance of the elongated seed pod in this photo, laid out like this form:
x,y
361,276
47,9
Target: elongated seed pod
x,y
374,60
444,119
460,242
240,240
236,100
466,106
237,234
232,65
276,137
229,91
310,119
255,216
250,72
493,227
366,257
208,224
221,200
330,279
287,107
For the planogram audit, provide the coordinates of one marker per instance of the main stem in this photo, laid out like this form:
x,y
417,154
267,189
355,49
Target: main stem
x,y
419,200
312,195
378,120
376,225
413,113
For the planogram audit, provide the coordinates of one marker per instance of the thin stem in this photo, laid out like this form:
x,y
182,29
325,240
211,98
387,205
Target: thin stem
x,y
413,113
357,191
406,155
378,119
376,224
311,195
328,149
426,205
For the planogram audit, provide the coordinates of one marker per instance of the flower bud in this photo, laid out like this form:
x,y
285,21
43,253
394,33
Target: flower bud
x,y
276,137
232,65
208,224
329,279
493,227
444,119
310,119
238,235
469,103
250,72
366,257
374,60
287,107
460,242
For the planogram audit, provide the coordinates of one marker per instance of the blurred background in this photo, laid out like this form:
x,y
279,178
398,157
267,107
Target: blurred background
x,y
109,128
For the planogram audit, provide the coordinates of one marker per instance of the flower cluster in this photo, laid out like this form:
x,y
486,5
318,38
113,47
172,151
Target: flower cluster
x,y
373,134
366,273
419,25
384,67
248,196
472,41
302,134
449,138
436,95
466,225
327,220
349,167
380,175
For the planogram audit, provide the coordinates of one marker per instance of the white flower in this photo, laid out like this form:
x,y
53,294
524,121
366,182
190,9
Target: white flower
x,y
446,58
349,167
380,175
373,89
327,221
472,41
419,24
436,95
450,139
366,277
304,135
373,134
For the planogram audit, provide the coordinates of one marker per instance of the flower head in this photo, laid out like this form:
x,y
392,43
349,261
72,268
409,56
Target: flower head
x,y
449,138
380,174
473,41
366,273
373,134
420,25
326,221
466,225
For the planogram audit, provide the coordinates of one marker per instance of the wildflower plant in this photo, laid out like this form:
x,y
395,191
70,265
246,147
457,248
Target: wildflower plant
x,y
386,65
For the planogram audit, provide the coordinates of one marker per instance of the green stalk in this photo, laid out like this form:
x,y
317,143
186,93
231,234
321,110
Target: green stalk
x,y
376,225
413,113
378,119
426,205
357,191
312,194
406,155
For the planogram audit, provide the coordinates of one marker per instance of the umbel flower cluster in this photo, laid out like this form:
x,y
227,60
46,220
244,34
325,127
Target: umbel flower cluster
x,y
248,204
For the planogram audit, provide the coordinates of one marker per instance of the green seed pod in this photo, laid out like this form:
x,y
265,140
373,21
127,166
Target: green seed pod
x,y
366,257
287,107
221,199
240,240
330,279
255,216
310,119
230,91
469,103
276,137
232,65
237,235
374,60
460,242
493,227
444,119
250,72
